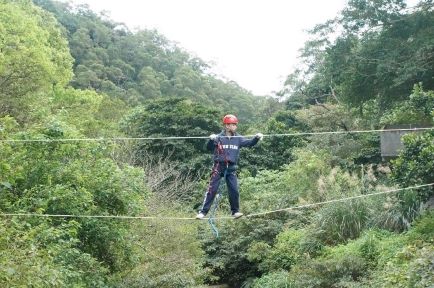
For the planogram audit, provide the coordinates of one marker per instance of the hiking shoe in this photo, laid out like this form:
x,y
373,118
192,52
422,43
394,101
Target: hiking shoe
x,y
200,215
237,215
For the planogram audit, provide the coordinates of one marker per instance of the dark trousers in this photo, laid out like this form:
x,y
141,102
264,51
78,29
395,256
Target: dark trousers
x,y
218,171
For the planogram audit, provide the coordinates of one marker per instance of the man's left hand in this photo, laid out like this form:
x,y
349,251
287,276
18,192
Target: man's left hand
x,y
259,136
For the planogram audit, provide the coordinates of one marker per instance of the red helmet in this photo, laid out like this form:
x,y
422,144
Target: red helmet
x,y
230,119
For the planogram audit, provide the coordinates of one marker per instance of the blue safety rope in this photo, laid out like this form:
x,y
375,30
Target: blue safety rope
x,y
211,219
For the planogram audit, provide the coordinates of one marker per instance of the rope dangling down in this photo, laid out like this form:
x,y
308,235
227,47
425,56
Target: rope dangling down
x,y
211,219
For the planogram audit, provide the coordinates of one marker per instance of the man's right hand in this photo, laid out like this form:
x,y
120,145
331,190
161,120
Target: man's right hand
x,y
213,136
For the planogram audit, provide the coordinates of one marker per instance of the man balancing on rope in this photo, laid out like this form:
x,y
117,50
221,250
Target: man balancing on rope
x,y
226,147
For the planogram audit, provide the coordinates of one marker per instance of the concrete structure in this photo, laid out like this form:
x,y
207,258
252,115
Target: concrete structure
x,y
391,141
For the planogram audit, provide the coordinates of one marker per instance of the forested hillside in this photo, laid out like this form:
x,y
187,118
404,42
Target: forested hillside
x,y
103,162
141,66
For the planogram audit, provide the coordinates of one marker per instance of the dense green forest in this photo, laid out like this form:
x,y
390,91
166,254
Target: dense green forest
x,y
78,91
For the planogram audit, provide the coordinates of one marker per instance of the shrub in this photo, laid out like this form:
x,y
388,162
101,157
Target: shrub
x,y
343,265
228,255
423,228
278,279
411,267
287,250
329,272
415,166
38,254
341,221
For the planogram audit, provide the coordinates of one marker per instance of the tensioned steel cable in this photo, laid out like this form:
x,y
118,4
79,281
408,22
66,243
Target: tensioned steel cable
x,y
223,217
207,137
339,200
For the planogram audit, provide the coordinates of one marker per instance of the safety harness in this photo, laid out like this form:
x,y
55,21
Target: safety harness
x,y
211,219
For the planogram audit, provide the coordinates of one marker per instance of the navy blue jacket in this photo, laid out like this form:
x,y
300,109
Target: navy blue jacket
x,y
230,147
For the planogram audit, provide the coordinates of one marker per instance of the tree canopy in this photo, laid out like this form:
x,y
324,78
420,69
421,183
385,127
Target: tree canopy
x,y
382,49
143,65
34,57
